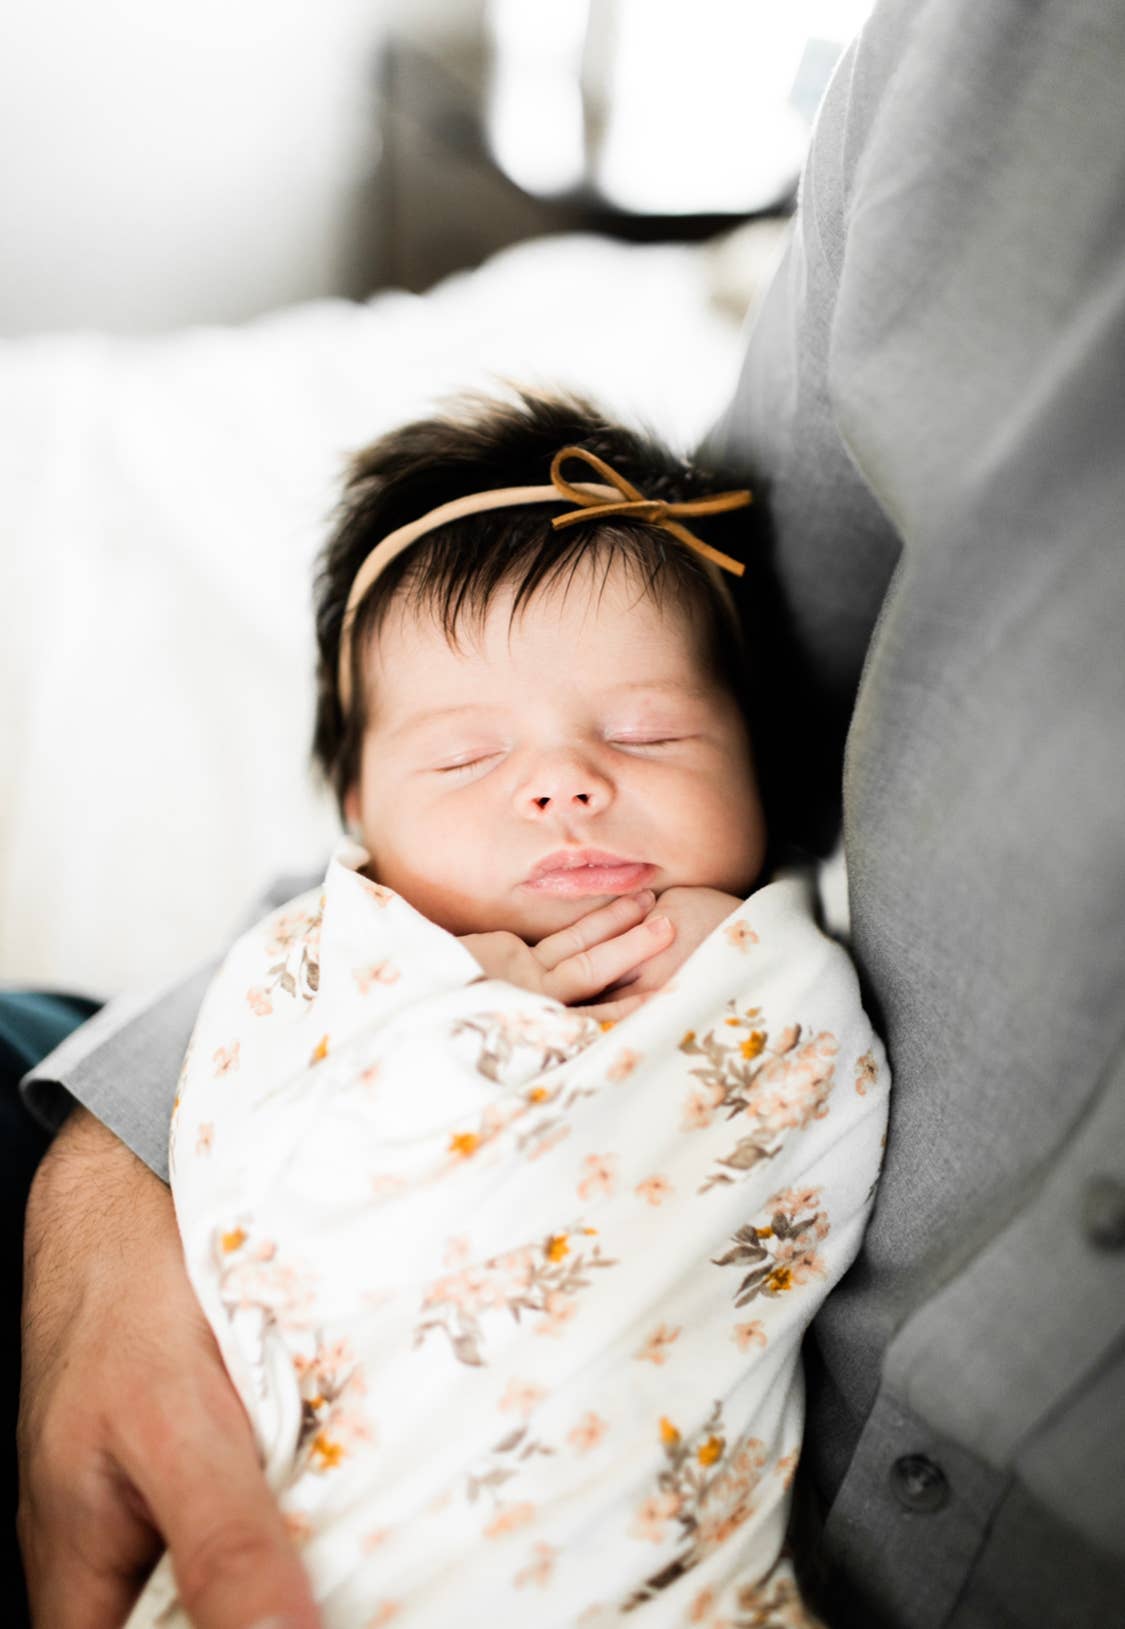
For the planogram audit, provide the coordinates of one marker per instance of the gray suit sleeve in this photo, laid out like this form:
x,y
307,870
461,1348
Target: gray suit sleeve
x,y
123,1066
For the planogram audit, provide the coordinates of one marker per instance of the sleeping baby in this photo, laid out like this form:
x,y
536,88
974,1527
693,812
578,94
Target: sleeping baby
x,y
512,1162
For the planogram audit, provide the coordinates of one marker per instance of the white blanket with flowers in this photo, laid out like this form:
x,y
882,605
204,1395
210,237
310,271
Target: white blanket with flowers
x,y
514,1299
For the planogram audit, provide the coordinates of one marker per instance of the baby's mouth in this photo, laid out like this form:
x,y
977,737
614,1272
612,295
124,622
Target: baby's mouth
x,y
577,873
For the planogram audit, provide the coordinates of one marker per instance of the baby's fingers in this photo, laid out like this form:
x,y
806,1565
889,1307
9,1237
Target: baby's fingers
x,y
609,1013
607,922
581,976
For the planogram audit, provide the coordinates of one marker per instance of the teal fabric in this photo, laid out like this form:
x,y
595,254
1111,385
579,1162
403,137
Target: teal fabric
x,y
32,1023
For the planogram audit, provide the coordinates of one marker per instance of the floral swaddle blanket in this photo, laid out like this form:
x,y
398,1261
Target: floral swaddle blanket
x,y
514,1299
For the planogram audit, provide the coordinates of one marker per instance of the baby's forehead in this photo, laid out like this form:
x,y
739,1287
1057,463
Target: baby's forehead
x,y
617,641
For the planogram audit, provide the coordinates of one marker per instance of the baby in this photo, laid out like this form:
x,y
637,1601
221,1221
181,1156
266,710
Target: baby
x,y
512,1163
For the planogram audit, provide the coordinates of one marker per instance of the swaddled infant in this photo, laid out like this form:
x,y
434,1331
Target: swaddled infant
x,y
512,1163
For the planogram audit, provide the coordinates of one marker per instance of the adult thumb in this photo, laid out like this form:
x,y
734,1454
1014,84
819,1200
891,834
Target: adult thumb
x,y
232,1560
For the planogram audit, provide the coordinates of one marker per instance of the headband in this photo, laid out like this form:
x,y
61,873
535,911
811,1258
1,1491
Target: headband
x,y
595,502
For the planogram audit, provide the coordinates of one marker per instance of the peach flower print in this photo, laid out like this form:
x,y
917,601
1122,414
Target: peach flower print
x,y
588,1433
226,1058
699,1111
655,1348
386,1612
655,1189
522,1397
457,1251
539,1570
653,1516
786,1467
205,1139
376,892
367,978
509,1519
258,1000
741,935
560,1309
865,1073
747,1335
601,1175
371,1541
623,1065
298,1526
702,1607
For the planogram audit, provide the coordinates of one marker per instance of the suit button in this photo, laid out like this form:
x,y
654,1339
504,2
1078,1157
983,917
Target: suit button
x,y
919,1485
1103,1213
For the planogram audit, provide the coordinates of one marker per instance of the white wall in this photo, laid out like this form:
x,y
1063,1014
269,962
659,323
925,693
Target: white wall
x,y
179,161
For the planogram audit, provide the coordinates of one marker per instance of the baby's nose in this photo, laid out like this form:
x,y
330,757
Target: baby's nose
x,y
565,786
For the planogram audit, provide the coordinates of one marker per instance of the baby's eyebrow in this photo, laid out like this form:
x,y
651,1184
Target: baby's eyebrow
x,y
431,715
679,687
428,715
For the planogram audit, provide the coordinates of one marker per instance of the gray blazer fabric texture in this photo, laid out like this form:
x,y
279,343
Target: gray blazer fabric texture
x,y
933,399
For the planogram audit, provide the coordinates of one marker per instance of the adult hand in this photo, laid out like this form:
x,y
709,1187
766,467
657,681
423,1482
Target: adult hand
x,y
601,949
131,1436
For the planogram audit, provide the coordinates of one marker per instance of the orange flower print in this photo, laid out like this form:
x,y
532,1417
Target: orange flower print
x,y
588,1433
232,1240
710,1451
623,1064
539,1569
326,1452
367,978
205,1139
464,1144
655,1348
509,1519
753,1044
669,1434
320,1050
601,1175
741,935
226,1059
258,1000
522,1398
655,1189
865,1073
653,1516
747,1335
557,1247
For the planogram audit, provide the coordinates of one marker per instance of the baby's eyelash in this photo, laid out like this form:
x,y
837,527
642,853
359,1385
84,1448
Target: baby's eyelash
x,y
465,763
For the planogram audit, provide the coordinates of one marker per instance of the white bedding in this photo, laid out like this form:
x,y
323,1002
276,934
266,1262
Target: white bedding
x,y
163,500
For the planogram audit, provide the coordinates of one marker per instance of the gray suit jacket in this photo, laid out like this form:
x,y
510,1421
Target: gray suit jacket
x,y
934,396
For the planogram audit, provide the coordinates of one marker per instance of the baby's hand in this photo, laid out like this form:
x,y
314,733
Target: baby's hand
x,y
601,950
695,913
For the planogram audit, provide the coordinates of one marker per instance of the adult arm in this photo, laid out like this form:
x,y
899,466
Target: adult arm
x,y
130,1434
934,387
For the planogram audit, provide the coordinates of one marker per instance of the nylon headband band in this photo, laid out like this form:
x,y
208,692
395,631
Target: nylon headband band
x,y
594,501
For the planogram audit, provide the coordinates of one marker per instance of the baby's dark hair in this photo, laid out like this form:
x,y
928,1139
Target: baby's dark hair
x,y
455,571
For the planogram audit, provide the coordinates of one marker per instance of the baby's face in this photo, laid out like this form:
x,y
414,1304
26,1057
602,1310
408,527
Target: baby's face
x,y
582,752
